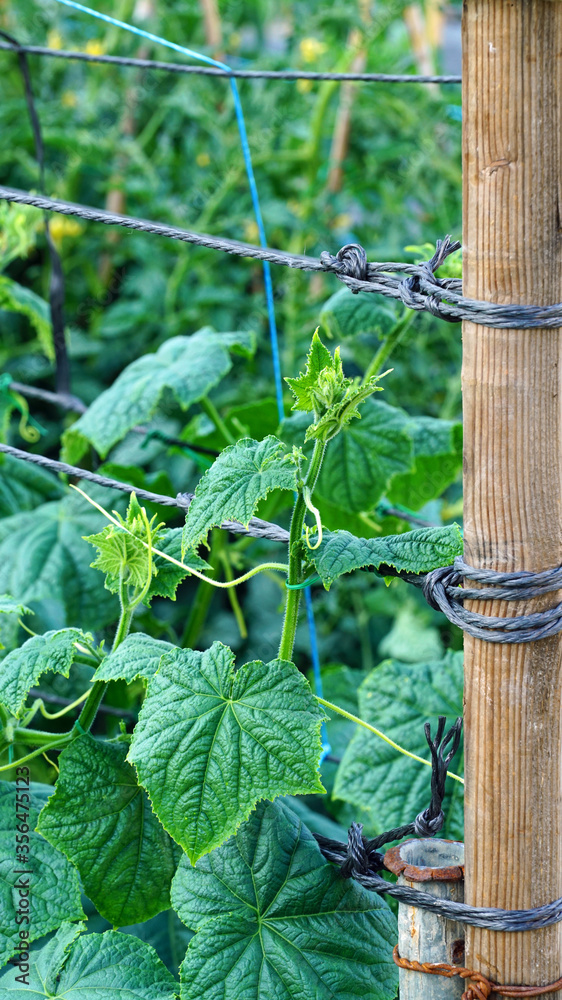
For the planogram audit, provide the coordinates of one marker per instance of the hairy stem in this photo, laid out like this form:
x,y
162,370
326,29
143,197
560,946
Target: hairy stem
x,y
294,575
210,409
388,345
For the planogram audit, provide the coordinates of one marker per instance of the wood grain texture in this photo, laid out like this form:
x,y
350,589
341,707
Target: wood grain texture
x,y
512,88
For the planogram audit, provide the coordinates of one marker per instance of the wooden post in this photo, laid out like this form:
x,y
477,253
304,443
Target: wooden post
x,y
434,867
512,93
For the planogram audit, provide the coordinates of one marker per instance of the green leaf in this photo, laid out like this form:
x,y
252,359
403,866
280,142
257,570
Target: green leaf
x,y
438,460
211,741
96,966
417,551
411,637
121,552
167,935
137,656
167,577
242,475
346,315
22,668
189,367
16,298
53,881
101,820
8,606
255,419
273,919
362,461
324,389
307,388
24,486
399,698
45,563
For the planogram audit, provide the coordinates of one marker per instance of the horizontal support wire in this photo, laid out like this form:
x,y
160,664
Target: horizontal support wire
x,y
243,74
255,529
419,290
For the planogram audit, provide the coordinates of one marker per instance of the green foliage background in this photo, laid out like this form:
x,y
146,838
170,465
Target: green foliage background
x,y
166,147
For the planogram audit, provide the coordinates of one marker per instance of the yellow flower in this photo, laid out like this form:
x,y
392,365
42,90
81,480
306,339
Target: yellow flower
x,y
311,48
304,86
54,39
202,159
94,48
61,226
251,231
69,99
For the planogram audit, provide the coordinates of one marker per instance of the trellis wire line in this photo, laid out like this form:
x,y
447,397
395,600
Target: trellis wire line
x,y
360,859
70,402
64,399
200,57
256,528
421,290
244,74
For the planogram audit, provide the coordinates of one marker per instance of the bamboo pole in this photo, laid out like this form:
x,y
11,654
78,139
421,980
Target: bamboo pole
x,y
512,87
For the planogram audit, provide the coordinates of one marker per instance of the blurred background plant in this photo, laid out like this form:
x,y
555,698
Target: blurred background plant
x,y
370,163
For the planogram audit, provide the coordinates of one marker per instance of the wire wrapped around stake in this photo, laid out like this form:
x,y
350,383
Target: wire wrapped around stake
x,y
443,590
361,859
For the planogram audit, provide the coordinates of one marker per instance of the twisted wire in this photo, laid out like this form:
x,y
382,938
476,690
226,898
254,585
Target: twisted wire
x,y
361,860
421,290
256,528
244,74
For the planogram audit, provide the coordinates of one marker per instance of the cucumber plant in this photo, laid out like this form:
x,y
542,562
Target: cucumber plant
x,y
194,824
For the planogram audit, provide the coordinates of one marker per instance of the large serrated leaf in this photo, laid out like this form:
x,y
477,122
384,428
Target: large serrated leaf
x,y
53,881
22,668
96,966
417,551
438,460
45,563
211,741
189,367
101,820
363,459
137,656
398,698
273,919
242,475
24,486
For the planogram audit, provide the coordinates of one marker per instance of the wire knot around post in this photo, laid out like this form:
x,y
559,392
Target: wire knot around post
x,y
350,261
415,291
443,590
361,858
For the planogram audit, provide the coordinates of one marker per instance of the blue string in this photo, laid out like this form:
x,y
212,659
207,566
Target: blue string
x,y
266,269
247,162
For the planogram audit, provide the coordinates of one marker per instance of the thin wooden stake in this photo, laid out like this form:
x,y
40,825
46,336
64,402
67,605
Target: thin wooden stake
x,y
512,87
